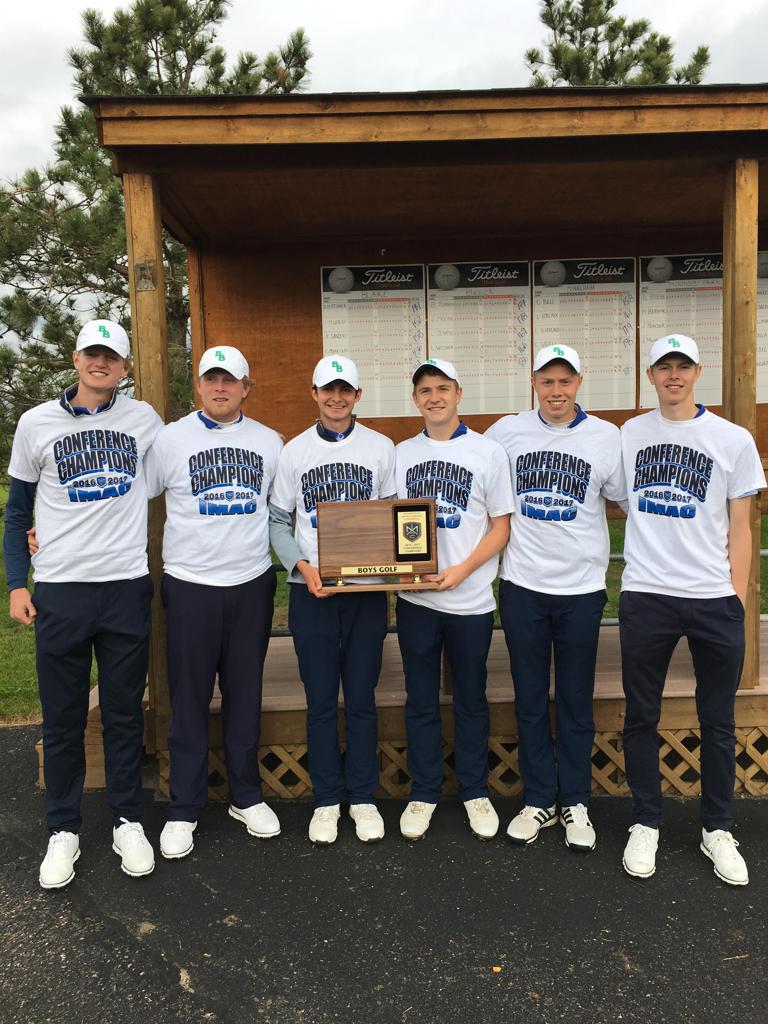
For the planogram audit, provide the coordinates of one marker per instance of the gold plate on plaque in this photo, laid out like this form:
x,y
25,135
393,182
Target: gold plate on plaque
x,y
411,535
375,570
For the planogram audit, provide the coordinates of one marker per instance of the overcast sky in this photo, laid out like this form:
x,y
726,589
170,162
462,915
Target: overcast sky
x,y
387,45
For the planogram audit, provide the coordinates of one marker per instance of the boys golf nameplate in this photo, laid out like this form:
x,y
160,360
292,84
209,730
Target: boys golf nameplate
x,y
377,545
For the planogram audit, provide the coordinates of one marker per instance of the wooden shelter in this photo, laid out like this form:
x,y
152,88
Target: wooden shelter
x,y
264,191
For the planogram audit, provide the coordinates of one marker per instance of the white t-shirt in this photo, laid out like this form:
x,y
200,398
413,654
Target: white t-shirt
x,y
216,483
680,477
91,499
360,467
469,478
561,476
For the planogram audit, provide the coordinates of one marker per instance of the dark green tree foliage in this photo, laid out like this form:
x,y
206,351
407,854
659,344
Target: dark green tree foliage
x,y
590,45
62,234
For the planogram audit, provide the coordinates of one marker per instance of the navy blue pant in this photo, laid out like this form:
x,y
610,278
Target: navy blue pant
x,y
535,624
650,627
340,639
422,632
224,631
74,622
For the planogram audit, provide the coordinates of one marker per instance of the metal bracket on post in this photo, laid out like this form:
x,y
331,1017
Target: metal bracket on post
x,y
145,276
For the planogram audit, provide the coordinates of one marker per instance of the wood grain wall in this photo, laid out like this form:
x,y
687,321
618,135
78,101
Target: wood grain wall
x,y
266,300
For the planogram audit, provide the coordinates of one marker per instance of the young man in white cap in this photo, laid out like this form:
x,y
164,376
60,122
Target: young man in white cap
x,y
468,475
340,638
216,467
78,464
564,465
690,477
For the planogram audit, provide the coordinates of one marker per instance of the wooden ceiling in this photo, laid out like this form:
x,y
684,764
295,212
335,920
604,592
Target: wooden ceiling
x,y
248,207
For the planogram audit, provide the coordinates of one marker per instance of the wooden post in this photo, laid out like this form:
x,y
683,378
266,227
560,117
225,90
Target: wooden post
x,y
729,202
149,331
196,314
740,356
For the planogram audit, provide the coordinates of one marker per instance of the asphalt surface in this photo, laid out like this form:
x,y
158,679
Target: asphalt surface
x,y
445,930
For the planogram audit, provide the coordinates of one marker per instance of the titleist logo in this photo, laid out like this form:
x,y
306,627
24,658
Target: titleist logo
x,y
381,276
597,270
699,264
491,274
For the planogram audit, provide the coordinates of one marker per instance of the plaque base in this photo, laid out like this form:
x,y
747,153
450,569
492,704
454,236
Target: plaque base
x,y
352,588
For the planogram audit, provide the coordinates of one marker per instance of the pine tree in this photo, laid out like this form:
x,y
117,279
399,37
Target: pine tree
x,y
62,234
590,45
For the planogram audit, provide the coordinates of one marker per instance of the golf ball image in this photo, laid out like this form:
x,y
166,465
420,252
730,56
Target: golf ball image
x,y
341,279
447,277
552,273
659,269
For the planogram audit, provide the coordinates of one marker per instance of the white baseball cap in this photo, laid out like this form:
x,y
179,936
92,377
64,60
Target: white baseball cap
x,y
224,357
105,333
552,352
438,364
674,344
331,368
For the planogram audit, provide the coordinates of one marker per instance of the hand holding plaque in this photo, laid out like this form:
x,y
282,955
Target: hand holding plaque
x,y
381,545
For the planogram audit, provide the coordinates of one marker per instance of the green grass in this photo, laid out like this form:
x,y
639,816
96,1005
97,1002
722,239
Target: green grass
x,y
18,680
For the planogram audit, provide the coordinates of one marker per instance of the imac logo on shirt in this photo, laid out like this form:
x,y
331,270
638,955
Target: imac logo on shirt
x,y
226,480
551,484
671,476
96,465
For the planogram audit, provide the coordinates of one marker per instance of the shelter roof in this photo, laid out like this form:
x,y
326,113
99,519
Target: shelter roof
x,y
511,161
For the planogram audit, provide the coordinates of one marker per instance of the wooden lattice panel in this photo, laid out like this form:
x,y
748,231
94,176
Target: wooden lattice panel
x,y
752,761
284,766
283,770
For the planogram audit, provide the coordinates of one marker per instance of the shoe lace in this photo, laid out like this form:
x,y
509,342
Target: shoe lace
x,y
417,807
325,813
131,832
481,805
367,811
176,826
58,839
531,812
725,842
644,837
579,815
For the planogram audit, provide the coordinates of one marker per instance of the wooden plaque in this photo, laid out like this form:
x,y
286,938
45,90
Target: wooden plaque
x,y
391,543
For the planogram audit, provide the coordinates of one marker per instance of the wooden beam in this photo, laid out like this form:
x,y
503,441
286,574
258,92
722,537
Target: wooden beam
x,y
740,356
143,230
147,288
177,228
432,117
196,307
700,150
399,103
435,126
729,202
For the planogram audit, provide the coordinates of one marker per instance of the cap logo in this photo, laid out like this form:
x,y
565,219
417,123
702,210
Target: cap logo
x,y
103,331
220,355
337,366
432,362
558,350
674,343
